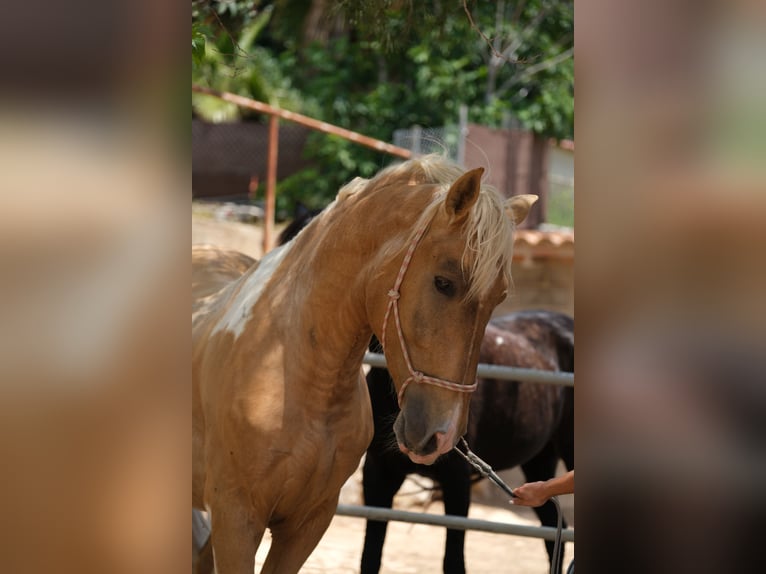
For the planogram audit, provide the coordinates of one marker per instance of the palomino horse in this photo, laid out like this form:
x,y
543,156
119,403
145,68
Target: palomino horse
x,y
420,256
510,423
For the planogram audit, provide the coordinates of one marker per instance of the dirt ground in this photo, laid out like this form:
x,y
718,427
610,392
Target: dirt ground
x,y
410,548
242,237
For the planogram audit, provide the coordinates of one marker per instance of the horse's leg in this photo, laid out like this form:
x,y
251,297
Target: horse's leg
x,y
292,542
542,467
203,562
235,535
455,480
380,483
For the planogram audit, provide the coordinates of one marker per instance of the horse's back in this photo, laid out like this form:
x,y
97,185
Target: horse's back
x,y
512,420
551,333
213,268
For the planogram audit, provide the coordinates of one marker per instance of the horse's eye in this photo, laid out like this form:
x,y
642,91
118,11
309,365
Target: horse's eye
x,y
444,286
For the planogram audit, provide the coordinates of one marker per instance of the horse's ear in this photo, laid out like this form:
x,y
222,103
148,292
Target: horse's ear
x,y
463,194
518,206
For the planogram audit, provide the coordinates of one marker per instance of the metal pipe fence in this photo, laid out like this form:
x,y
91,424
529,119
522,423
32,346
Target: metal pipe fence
x,y
455,522
487,371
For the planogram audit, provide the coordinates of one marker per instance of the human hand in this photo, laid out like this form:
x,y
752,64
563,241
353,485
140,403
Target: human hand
x,y
531,494
537,493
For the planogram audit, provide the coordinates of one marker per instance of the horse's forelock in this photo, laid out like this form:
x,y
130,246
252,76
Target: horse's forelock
x,y
490,243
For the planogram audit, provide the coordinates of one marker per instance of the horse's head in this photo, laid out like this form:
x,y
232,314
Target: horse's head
x,y
442,284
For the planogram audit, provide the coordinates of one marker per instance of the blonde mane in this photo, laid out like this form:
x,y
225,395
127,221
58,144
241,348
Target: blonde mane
x,y
489,244
352,187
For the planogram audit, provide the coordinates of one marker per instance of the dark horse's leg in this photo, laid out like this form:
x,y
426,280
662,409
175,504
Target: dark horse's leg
x,y
455,480
380,483
543,467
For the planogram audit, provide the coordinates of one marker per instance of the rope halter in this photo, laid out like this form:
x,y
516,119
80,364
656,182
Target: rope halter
x,y
393,297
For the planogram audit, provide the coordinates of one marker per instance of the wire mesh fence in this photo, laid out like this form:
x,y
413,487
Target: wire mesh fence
x,y
443,140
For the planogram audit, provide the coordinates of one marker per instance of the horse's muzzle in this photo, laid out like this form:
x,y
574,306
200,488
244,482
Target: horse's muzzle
x,y
438,444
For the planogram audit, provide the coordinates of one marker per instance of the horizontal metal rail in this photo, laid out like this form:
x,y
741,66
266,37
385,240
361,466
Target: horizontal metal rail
x,y
486,371
455,522
305,121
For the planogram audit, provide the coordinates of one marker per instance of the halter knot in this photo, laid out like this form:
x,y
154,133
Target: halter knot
x,y
417,376
392,294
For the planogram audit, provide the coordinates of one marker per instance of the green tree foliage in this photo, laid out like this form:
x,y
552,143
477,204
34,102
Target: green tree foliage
x,y
235,59
374,66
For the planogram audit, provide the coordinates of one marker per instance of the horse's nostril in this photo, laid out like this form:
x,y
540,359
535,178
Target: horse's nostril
x,y
430,445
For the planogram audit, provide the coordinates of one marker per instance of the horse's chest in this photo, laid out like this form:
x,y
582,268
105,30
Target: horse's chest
x,y
311,473
303,451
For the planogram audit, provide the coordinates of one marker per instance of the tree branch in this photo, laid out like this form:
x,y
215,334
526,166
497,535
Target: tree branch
x,y
223,27
519,9
519,40
499,13
489,42
526,73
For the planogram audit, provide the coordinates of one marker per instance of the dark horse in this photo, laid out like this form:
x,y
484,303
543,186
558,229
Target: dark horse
x,y
511,423
302,215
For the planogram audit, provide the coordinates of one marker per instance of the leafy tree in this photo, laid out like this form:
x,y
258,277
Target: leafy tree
x,y
377,65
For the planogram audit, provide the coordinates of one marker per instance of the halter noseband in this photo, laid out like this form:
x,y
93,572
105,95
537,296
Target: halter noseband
x,y
393,297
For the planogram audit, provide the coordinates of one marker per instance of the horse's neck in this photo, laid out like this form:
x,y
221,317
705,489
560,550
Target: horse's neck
x,y
325,312
329,280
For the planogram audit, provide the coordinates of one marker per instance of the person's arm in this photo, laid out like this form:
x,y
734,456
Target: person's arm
x,y
538,493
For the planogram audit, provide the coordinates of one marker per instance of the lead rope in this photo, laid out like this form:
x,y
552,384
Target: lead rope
x,y
393,298
487,472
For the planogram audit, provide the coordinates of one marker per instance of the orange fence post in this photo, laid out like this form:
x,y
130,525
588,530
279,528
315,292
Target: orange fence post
x,y
271,184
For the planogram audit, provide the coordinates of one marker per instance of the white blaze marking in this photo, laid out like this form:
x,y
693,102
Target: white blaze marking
x,y
240,311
